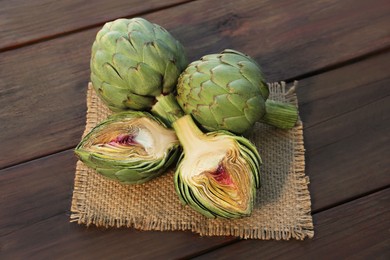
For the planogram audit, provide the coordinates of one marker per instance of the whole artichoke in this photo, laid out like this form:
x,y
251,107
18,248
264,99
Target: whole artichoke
x,y
218,172
228,91
133,61
129,147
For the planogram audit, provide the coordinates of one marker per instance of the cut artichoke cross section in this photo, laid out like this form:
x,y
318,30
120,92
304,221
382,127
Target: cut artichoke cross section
x,y
218,172
130,147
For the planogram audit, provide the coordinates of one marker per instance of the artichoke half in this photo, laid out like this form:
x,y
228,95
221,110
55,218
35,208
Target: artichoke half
x,y
228,91
129,147
134,61
218,172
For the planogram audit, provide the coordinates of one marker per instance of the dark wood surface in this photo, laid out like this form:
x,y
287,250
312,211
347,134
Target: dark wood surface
x,y
339,50
342,232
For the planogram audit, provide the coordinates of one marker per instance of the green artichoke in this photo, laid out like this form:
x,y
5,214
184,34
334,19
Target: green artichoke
x,y
228,91
218,172
133,61
129,147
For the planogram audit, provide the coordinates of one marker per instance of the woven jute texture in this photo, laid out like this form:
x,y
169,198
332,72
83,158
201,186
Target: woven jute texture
x,y
282,208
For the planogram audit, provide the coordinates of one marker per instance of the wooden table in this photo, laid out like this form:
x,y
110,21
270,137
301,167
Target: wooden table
x,y
339,50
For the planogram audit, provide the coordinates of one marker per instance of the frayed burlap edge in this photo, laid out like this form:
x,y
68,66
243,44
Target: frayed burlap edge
x,y
302,229
305,225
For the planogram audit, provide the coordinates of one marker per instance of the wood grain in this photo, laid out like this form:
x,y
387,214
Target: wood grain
x,y
346,123
35,191
23,22
57,238
46,82
324,96
287,38
348,155
356,230
44,70
45,87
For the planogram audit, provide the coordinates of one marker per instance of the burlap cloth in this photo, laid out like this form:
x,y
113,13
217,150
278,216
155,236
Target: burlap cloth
x,y
282,208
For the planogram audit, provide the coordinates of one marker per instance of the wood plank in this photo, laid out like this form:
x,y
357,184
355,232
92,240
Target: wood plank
x,y
35,191
57,238
355,230
340,91
23,22
346,126
348,155
284,37
46,83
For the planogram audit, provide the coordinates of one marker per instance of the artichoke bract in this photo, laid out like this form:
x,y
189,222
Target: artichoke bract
x,y
228,91
218,172
129,147
133,61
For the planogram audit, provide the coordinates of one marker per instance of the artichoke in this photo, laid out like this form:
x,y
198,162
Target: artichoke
x,y
129,147
134,61
135,65
218,172
228,91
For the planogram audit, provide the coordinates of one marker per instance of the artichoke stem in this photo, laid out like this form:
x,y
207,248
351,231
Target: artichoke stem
x,y
188,133
167,109
280,115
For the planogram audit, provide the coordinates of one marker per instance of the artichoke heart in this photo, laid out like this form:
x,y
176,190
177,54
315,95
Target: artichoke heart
x,y
218,172
130,147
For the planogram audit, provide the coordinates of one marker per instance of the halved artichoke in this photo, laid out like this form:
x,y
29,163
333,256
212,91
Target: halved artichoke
x,y
129,147
218,172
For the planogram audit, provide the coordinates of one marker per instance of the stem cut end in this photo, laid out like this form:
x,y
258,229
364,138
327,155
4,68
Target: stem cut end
x,y
280,115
